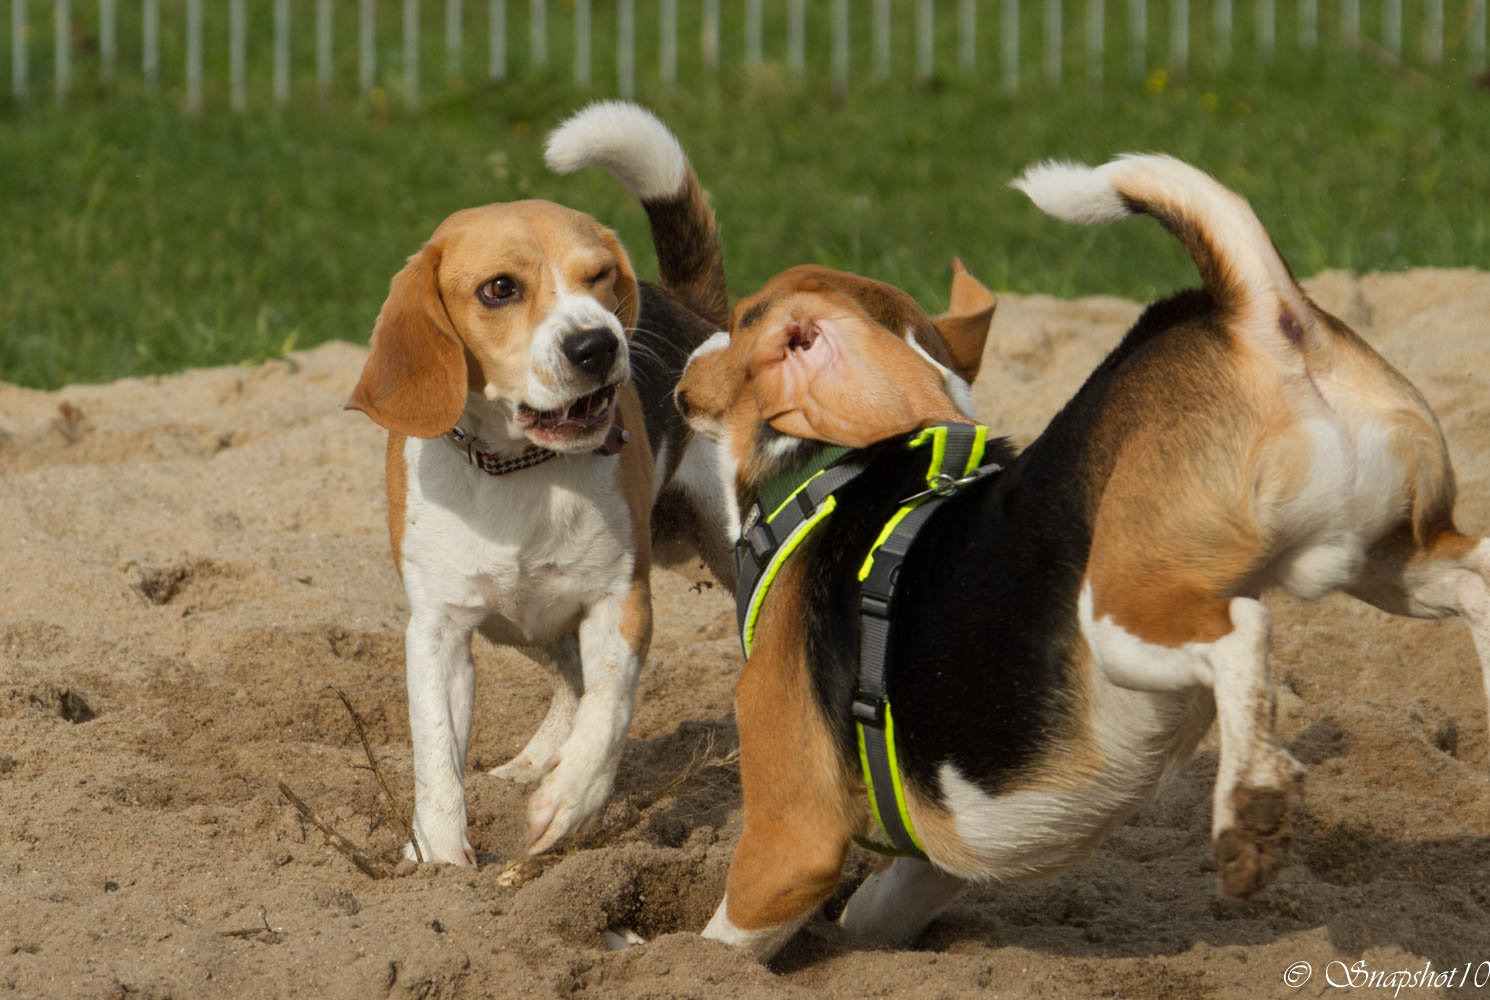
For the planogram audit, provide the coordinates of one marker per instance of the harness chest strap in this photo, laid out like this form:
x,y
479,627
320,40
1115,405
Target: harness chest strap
x,y
769,540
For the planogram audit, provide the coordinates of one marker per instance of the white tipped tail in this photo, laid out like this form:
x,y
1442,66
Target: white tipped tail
x,y
1237,260
625,139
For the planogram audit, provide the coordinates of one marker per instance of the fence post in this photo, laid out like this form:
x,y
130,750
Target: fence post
x,y
62,47
708,32
1179,35
323,49
881,39
18,53
1096,41
1009,29
626,47
1267,29
1223,29
840,47
753,32
1433,33
667,44
1053,40
108,38
496,57
454,42
1138,38
281,51
194,55
150,44
237,29
367,49
538,33
1477,35
925,39
1350,22
1308,23
796,36
582,43
967,35
1391,26
411,53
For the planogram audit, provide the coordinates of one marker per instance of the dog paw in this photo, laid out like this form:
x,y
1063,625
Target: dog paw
x,y
621,938
521,769
568,801
463,856
1250,852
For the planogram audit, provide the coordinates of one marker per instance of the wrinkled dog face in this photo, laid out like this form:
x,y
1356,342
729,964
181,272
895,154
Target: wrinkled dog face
x,y
826,356
529,304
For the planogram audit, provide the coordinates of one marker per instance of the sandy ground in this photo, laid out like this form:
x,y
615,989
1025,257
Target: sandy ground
x,y
188,563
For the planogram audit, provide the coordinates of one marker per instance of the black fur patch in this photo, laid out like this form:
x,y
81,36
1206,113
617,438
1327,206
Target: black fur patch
x,y
667,333
689,258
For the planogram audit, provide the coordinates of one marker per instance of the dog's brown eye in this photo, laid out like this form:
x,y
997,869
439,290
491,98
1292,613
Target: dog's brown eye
x,y
497,291
598,276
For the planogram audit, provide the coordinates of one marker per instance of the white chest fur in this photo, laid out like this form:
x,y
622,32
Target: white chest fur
x,y
523,553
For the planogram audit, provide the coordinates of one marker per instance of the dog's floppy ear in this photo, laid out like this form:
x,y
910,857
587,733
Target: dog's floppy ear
x,y
414,381
964,326
628,294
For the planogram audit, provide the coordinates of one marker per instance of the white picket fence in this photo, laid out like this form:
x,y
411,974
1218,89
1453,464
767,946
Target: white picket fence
x,y
1429,20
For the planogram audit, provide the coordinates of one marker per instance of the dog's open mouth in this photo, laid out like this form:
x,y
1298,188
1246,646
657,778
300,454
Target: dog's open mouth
x,y
582,419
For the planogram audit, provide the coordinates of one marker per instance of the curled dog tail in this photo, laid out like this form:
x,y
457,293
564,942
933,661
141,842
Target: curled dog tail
x,y
1236,258
633,144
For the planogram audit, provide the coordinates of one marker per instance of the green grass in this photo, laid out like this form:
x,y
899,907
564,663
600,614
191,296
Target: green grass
x,y
139,239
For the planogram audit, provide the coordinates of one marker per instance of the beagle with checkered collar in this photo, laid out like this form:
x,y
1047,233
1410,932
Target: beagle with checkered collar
x,y
525,378
1069,627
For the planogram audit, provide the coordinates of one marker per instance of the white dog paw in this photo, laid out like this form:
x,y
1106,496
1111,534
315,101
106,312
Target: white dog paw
x,y
567,800
522,769
621,938
463,855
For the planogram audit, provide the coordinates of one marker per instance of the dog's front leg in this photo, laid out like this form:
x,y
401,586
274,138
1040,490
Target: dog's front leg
x,y
442,688
533,761
613,639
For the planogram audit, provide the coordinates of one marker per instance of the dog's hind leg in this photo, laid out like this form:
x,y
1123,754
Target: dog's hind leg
x,y
1449,575
532,761
1249,821
895,904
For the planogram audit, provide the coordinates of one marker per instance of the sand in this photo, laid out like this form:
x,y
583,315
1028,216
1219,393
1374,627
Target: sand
x,y
189,563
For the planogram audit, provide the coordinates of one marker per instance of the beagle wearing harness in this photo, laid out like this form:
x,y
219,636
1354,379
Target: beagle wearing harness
x,y
1066,628
524,376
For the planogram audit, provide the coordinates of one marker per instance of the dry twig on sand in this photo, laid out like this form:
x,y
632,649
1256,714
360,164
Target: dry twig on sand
x,y
377,772
370,866
244,932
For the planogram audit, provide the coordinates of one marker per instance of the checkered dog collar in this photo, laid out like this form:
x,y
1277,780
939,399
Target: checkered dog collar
x,y
493,464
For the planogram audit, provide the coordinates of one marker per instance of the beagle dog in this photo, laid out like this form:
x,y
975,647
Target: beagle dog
x,y
1068,624
525,379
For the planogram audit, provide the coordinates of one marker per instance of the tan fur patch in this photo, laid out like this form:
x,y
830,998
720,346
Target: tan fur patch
x,y
398,493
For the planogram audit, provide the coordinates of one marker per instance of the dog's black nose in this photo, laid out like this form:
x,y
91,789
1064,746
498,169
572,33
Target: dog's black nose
x,y
592,351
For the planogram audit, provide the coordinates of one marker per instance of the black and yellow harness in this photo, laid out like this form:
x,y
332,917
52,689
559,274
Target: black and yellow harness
x,y
796,506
